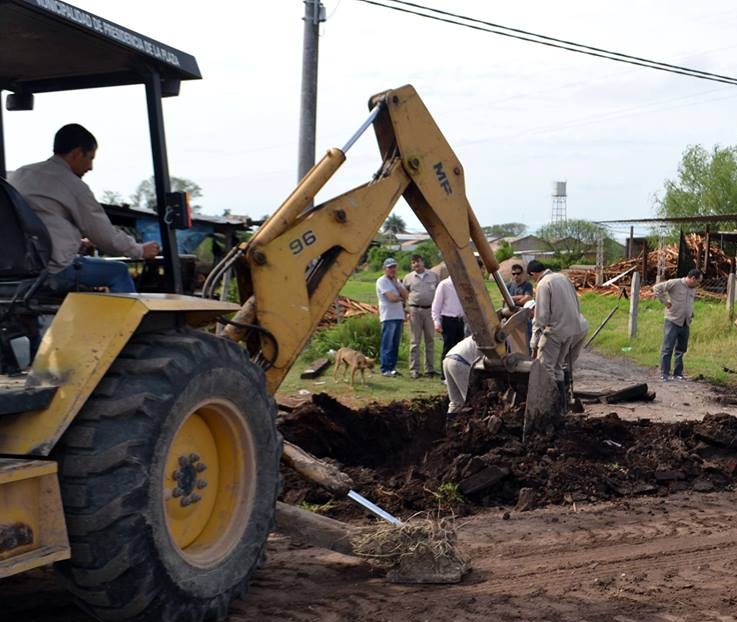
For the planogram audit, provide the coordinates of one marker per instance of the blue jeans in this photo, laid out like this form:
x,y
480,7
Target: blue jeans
x,y
98,272
391,334
675,338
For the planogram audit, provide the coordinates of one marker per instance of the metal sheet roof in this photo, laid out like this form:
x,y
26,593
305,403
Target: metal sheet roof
x,y
48,45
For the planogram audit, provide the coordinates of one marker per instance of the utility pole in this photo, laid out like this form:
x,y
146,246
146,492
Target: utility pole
x,y
314,14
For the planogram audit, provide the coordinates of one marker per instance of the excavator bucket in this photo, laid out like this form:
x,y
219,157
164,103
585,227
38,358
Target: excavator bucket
x,y
543,405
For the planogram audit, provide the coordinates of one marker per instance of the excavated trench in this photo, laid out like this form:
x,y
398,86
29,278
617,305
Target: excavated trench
x,y
400,457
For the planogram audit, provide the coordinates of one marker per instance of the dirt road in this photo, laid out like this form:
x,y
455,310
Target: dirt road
x,y
640,559
647,560
674,401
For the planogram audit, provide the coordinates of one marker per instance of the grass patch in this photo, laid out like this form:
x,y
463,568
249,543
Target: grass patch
x,y
712,344
351,333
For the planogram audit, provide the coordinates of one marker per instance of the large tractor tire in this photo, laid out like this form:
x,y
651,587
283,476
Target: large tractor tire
x,y
169,478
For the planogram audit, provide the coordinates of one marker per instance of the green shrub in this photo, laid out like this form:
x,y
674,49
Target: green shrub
x,y
377,255
504,252
361,333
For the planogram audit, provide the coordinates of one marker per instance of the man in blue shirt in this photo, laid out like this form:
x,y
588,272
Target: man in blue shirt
x,y
519,287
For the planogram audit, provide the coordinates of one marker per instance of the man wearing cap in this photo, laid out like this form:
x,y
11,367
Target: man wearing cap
x,y
558,325
421,285
391,294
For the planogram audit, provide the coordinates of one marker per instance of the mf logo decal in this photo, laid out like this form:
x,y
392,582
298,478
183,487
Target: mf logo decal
x,y
442,178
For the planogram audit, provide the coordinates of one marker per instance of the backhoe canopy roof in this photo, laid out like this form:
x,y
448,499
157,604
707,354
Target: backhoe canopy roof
x,y
48,45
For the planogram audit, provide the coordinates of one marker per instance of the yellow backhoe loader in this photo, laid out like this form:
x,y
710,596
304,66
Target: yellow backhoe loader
x,y
138,449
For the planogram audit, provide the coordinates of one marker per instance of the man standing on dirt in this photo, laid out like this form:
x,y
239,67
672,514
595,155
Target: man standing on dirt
x,y
421,285
55,191
448,316
391,295
558,324
677,295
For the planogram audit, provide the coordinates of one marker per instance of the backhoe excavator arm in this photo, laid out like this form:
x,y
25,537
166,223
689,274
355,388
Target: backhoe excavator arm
x,y
293,268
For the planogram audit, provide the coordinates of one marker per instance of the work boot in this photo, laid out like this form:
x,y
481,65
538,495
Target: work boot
x,y
561,384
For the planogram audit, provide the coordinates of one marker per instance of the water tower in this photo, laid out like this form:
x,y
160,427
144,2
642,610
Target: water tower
x,y
559,201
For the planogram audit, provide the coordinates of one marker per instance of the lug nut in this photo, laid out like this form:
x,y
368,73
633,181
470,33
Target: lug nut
x,y
177,492
201,483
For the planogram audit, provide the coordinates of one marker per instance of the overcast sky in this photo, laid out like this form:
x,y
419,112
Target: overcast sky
x,y
519,116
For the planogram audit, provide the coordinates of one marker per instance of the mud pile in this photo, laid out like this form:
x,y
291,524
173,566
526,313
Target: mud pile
x,y
401,457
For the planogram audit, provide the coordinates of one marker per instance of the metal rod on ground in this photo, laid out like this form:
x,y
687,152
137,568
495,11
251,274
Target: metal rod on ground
x,y
606,319
372,507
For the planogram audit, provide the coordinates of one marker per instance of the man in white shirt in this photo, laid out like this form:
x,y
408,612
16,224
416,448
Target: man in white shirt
x,y
457,368
65,204
391,295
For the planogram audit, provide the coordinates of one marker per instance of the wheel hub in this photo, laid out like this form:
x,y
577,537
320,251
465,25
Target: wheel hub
x,y
186,477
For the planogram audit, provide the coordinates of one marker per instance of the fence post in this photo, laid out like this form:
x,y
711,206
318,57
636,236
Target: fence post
x,y
634,303
599,259
730,296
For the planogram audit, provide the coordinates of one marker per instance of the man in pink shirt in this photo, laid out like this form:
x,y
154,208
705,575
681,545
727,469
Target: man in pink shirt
x,y
448,316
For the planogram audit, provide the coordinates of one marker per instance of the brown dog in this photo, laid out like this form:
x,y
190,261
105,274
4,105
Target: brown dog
x,y
355,361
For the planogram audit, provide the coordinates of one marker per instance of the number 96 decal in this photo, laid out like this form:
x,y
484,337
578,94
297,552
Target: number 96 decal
x,y
298,244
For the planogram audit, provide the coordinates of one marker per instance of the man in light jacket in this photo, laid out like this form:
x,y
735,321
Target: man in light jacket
x,y
558,325
65,204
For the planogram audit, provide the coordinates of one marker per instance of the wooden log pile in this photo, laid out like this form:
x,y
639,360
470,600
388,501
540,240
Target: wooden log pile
x,y
718,269
346,307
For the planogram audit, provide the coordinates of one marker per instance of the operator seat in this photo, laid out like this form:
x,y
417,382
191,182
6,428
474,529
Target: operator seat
x,y
25,248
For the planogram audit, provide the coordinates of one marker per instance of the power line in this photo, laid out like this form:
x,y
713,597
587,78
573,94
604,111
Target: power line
x,y
531,37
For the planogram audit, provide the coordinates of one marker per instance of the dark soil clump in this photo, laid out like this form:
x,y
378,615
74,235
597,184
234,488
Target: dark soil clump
x,y
400,457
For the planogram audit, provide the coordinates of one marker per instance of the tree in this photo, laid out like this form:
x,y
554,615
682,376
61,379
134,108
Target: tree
x,y
145,195
706,184
570,239
110,197
394,224
504,251
505,230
